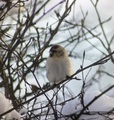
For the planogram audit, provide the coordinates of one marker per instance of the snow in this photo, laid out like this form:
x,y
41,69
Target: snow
x,y
13,114
4,103
23,111
71,107
103,104
5,106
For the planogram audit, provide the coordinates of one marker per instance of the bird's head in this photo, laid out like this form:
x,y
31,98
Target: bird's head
x,y
57,51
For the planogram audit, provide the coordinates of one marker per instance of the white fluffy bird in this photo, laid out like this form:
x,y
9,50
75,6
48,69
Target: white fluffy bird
x,y
58,64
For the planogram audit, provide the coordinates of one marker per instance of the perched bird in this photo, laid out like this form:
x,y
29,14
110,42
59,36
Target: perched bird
x,y
58,64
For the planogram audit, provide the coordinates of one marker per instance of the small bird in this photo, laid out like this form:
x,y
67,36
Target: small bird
x,y
58,65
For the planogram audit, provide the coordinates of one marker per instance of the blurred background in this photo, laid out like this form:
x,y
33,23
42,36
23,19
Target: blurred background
x,y
27,31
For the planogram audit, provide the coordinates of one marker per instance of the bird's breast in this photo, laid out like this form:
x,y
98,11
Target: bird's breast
x,y
58,69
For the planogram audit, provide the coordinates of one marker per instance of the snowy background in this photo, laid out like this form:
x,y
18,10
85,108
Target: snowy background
x,y
102,107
